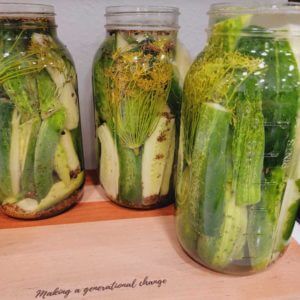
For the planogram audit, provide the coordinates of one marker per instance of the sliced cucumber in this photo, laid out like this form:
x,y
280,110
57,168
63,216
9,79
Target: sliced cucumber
x,y
229,240
208,168
287,217
232,237
60,74
68,98
48,139
61,165
185,231
72,157
6,112
180,164
109,162
183,188
175,96
130,183
263,218
122,44
2,196
58,192
102,61
165,186
58,77
205,247
48,96
155,155
14,155
248,151
28,137
77,142
181,65
25,133
28,204
291,197
183,62
10,200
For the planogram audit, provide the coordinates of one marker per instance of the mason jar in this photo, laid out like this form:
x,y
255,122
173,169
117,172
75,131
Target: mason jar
x,y
238,174
137,81
41,163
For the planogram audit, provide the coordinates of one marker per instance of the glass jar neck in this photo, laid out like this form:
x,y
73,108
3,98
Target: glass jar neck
x,y
255,26
24,22
23,16
142,18
255,7
270,16
141,32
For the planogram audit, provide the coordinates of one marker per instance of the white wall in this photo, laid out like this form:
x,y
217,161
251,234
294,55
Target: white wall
x,y
81,28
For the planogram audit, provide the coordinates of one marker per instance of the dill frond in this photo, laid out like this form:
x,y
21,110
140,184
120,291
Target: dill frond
x,y
50,54
138,86
215,77
18,65
17,62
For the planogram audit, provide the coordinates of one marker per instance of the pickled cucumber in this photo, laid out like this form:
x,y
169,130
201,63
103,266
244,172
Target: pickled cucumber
x,y
109,162
61,165
208,168
156,155
60,74
6,112
27,166
130,184
47,141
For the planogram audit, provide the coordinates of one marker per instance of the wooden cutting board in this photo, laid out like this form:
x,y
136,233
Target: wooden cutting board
x,y
98,250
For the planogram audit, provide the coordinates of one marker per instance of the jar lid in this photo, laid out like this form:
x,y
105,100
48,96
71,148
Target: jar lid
x,y
141,18
254,7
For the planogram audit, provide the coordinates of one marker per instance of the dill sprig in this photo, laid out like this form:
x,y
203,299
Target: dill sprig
x,y
50,54
18,65
15,62
213,78
138,89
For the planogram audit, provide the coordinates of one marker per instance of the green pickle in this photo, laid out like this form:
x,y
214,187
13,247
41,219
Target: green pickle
x,y
41,162
237,180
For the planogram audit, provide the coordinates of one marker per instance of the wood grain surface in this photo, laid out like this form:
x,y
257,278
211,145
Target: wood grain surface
x,y
93,207
98,250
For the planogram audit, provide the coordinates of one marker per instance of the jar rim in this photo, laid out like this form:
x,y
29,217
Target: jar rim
x,y
140,9
15,8
254,7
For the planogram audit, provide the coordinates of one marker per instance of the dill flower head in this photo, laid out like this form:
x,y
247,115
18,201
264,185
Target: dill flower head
x,y
138,83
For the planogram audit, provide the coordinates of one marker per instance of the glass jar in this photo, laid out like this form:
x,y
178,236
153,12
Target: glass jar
x,y
41,163
137,80
238,175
